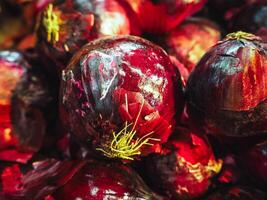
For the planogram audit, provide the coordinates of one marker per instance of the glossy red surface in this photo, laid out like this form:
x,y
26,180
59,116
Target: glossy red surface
x,y
226,91
72,180
114,81
186,168
98,181
161,16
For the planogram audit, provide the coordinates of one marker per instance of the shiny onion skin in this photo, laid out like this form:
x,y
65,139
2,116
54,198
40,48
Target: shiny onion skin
x,y
191,40
65,27
105,181
87,180
160,16
226,93
237,193
122,96
185,169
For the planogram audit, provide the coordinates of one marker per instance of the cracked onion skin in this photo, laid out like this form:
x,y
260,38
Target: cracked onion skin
x,y
226,93
118,80
73,24
160,16
185,169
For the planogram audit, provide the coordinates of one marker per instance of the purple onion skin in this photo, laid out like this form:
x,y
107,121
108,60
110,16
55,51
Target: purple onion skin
x,y
237,193
225,97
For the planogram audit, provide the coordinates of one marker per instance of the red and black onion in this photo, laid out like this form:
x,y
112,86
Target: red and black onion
x,y
121,95
227,92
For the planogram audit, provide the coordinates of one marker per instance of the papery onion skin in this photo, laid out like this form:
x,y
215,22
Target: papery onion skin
x,y
119,80
227,90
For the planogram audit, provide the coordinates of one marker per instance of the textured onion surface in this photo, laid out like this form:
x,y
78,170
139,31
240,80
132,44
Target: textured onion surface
x,y
122,93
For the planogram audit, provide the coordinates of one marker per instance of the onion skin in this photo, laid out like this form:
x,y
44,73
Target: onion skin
x,y
12,68
76,24
191,40
185,169
33,112
116,88
95,181
27,108
87,179
226,91
161,16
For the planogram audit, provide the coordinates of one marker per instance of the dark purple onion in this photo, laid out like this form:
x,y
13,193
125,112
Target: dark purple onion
x,y
227,92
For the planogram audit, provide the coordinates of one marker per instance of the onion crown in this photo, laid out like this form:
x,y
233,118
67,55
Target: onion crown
x,y
51,22
124,144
